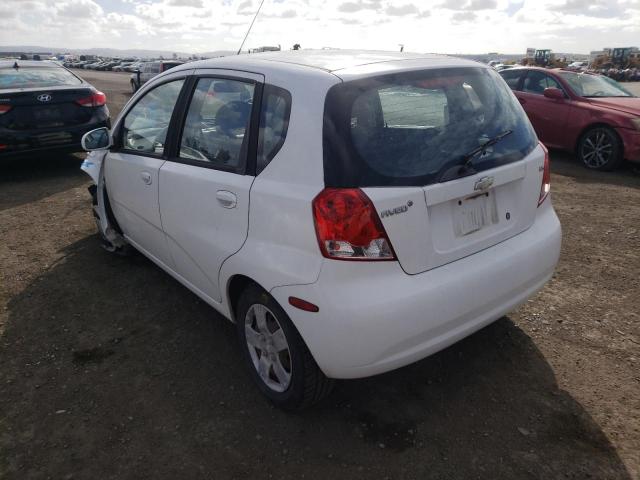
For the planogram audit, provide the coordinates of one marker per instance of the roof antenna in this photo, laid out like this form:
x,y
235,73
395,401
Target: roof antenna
x,y
254,19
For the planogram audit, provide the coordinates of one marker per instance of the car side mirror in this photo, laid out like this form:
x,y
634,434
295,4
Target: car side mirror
x,y
98,139
554,93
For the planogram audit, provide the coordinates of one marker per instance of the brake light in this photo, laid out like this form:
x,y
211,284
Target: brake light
x,y
96,99
4,108
546,177
348,226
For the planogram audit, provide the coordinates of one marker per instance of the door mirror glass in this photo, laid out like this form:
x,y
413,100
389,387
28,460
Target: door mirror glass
x,y
98,139
554,93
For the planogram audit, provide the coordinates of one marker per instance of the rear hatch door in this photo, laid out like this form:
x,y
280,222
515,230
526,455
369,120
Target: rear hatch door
x,y
438,224
402,138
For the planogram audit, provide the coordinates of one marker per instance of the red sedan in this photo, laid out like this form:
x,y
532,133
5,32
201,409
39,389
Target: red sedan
x,y
588,114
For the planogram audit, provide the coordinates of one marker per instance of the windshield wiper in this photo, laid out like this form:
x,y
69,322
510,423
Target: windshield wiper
x,y
466,160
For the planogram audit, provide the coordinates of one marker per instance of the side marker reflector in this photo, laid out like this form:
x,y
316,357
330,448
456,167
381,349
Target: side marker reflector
x,y
303,304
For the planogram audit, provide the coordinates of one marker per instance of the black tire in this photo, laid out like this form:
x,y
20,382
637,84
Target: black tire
x,y
307,385
134,86
600,148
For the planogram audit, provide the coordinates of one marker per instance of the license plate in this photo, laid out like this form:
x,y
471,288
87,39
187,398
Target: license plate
x,y
47,114
472,215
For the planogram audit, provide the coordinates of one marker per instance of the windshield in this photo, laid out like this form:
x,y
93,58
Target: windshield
x,y
409,128
587,85
36,77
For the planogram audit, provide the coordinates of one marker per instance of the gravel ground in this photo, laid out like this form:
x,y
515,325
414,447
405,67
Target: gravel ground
x,y
111,369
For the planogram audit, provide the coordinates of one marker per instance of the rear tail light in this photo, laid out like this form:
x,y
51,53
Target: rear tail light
x,y
546,177
4,108
348,226
96,99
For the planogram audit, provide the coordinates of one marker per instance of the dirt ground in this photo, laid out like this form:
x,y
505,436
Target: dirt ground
x,y
109,369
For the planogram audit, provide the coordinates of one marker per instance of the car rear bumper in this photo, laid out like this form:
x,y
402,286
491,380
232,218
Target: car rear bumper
x,y
374,317
631,142
15,143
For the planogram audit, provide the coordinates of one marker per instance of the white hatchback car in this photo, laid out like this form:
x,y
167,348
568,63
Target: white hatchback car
x,y
351,212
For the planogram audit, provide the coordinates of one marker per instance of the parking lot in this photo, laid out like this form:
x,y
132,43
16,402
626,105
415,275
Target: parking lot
x,y
111,369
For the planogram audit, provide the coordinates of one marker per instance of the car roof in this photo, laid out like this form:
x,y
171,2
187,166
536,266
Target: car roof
x,y
338,62
28,63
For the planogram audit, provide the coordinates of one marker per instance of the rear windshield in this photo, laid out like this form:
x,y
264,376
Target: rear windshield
x,y
410,128
36,77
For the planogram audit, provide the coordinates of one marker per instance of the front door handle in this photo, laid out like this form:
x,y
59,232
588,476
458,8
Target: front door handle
x,y
227,199
146,178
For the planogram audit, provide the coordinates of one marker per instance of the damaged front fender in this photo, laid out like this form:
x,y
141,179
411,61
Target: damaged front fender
x,y
92,165
112,239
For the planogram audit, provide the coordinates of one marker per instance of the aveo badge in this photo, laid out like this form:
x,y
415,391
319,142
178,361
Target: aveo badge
x,y
397,210
45,97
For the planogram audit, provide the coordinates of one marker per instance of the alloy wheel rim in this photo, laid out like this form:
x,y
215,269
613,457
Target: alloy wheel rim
x,y
268,347
597,148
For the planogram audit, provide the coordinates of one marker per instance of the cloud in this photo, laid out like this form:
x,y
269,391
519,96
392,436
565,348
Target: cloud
x,y
421,25
461,17
350,7
590,8
186,3
482,4
400,10
79,8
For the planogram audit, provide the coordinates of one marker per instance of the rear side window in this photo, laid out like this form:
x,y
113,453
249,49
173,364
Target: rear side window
x,y
169,65
536,82
36,77
512,77
215,131
274,122
410,128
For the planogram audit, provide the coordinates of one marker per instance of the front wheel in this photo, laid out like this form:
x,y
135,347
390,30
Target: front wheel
x,y
278,359
600,148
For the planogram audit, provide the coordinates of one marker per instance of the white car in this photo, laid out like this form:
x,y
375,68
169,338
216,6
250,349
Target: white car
x,y
351,212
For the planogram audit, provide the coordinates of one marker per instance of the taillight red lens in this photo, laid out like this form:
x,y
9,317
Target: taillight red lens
x,y
97,99
546,177
348,226
4,108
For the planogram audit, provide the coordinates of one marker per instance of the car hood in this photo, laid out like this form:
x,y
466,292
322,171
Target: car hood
x,y
623,104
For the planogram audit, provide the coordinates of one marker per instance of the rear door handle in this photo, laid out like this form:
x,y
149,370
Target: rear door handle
x,y
146,178
227,199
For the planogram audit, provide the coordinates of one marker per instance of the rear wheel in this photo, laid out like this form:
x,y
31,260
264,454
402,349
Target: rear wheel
x,y
279,361
600,148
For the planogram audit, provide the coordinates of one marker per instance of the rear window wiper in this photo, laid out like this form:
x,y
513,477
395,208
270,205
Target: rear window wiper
x,y
466,160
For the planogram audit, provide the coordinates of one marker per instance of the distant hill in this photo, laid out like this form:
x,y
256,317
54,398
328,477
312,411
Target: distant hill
x,y
108,52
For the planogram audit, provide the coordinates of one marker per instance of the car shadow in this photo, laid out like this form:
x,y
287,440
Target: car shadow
x,y
111,369
28,179
566,164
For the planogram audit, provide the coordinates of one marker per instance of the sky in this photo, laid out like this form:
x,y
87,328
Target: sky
x,y
442,26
